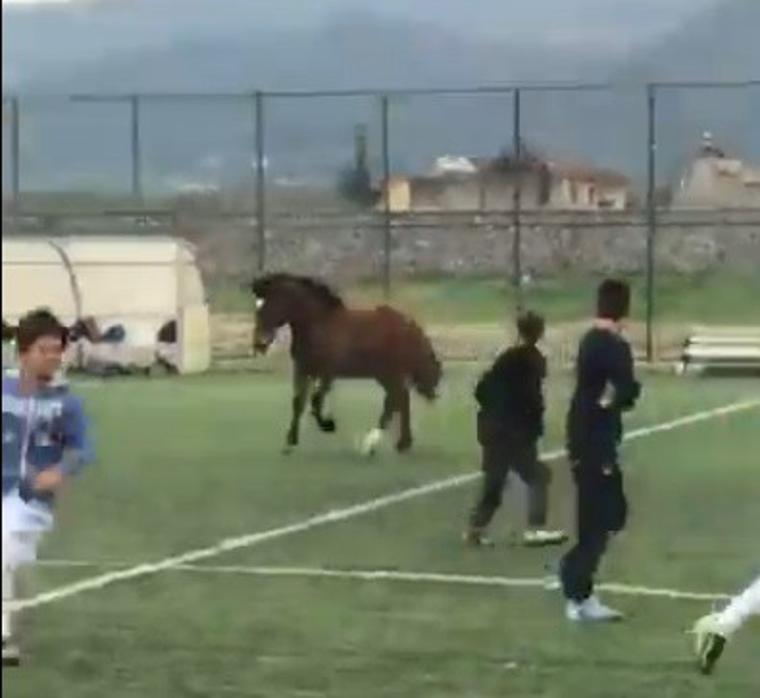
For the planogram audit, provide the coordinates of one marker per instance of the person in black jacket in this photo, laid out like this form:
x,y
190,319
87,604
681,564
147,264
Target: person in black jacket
x,y
605,387
510,423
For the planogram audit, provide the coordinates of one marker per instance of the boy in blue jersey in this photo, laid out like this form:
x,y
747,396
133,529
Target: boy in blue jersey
x,y
45,441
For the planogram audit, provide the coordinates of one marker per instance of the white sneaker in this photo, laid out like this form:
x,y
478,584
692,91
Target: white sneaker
x,y
594,609
591,610
477,539
574,611
538,537
11,653
709,642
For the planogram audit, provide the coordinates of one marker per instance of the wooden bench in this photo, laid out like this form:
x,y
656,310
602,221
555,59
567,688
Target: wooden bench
x,y
734,348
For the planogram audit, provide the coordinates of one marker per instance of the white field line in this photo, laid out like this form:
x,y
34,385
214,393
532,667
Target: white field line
x,y
333,516
548,583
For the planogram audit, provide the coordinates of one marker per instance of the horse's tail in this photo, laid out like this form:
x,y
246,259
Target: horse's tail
x,y
425,368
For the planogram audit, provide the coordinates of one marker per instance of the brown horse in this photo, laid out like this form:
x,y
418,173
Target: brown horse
x,y
331,341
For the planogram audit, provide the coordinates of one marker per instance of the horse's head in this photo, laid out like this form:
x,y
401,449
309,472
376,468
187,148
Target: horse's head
x,y
273,308
283,299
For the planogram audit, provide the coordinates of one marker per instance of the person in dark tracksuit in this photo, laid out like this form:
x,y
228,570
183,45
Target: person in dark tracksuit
x,y
605,387
510,423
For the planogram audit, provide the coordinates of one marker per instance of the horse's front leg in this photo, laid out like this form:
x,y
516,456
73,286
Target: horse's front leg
x,y
301,384
325,423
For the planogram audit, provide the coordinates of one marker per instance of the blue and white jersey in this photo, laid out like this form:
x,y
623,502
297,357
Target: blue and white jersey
x,y
40,431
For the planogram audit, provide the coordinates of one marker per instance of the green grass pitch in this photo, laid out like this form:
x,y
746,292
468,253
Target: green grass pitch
x,y
186,463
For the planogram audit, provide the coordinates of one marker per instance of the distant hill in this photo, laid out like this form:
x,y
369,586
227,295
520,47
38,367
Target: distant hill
x,y
309,140
306,139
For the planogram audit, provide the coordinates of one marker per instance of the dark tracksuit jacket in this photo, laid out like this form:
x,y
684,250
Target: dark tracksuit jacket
x,y
510,391
594,432
510,422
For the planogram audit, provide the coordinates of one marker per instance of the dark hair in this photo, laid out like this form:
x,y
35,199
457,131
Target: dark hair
x,y
613,299
531,327
37,324
9,332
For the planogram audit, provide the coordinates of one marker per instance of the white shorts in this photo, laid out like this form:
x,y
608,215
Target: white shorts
x,y
24,524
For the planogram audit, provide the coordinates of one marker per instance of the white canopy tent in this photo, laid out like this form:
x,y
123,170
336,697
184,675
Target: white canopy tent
x,y
141,283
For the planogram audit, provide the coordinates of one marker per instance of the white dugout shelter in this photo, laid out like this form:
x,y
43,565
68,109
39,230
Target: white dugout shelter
x,y
139,282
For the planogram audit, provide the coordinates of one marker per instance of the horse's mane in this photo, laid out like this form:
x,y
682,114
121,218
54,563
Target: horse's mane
x,y
320,290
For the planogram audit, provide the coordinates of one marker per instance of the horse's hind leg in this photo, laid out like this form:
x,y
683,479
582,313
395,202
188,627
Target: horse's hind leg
x,y
404,442
300,392
396,400
325,423
375,436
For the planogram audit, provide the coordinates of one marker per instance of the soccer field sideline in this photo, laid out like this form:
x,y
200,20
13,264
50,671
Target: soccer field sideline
x,y
251,540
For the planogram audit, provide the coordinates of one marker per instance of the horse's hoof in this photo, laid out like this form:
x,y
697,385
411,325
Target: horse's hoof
x,y
328,426
404,445
287,450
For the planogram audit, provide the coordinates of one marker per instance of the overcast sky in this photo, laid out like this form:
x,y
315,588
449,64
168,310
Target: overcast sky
x,y
632,18
40,35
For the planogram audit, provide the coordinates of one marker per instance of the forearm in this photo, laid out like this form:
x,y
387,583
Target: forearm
x,y
74,459
626,388
626,393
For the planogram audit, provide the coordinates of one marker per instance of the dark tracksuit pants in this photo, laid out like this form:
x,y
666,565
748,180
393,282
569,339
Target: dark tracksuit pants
x,y
506,449
602,509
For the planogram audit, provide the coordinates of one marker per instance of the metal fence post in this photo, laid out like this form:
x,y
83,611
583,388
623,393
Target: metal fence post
x,y
387,230
15,153
517,201
651,216
137,187
260,182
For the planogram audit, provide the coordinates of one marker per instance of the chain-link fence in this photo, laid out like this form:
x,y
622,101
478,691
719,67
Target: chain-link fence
x,y
462,205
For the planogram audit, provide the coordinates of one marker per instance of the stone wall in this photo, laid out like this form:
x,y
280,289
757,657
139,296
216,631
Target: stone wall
x,y
349,249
